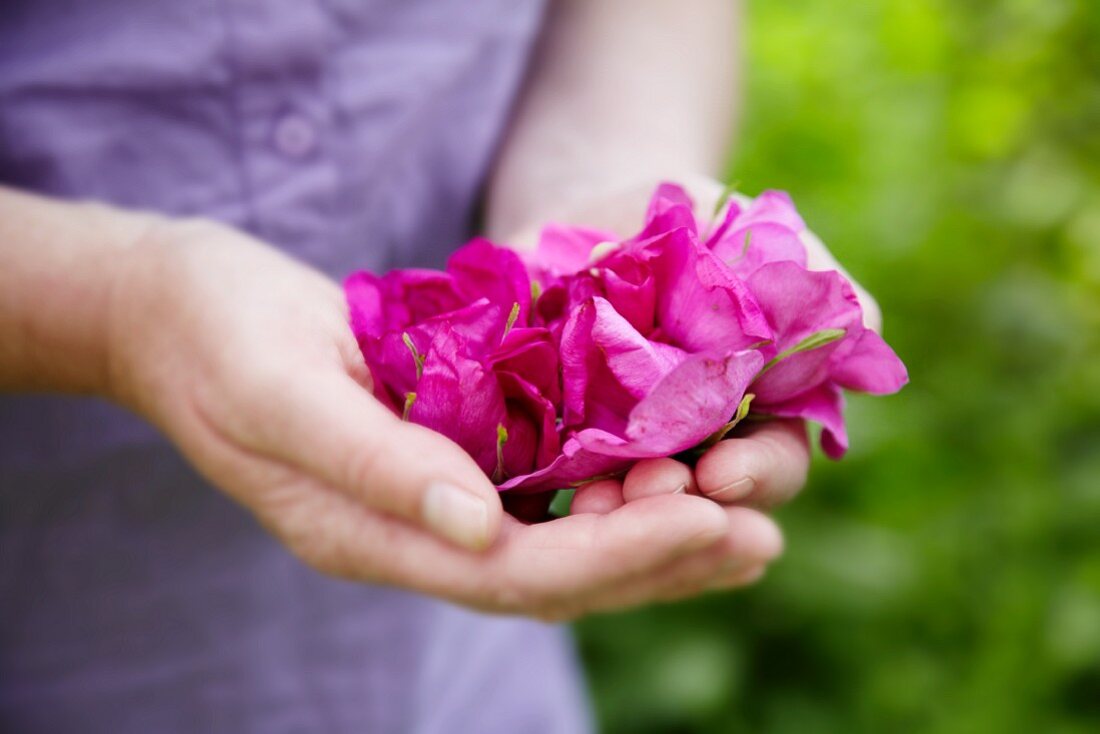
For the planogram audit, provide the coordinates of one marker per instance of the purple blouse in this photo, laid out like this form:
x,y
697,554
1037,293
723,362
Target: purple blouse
x,y
351,133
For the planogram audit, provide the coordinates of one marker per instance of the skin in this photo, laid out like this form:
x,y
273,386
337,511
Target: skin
x,y
243,358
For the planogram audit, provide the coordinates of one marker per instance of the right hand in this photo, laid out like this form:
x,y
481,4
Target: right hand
x,y
244,358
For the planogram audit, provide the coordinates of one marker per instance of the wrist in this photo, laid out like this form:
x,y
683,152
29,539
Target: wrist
x,y
121,240
58,270
130,293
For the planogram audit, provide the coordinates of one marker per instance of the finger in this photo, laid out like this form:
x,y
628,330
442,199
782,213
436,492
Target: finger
x,y
651,477
540,570
818,257
557,565
764,468
332,429
752,542
597,498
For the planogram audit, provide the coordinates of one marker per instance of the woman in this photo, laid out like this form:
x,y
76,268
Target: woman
x,y
136,595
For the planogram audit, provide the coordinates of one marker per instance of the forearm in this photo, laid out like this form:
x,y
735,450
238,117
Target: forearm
x,y
59,262
621,92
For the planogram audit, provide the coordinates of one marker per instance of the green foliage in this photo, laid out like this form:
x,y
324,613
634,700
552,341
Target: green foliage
x,y
945,577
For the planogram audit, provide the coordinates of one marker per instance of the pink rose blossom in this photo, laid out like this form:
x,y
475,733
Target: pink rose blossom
x,y
599,351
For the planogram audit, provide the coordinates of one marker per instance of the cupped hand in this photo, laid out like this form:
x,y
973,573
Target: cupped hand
x,y
243,357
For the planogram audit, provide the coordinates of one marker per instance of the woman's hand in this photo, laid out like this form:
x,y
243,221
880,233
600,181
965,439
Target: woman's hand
x,y
244,358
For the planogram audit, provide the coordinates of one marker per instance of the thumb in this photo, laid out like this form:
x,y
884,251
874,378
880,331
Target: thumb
x,y
337,432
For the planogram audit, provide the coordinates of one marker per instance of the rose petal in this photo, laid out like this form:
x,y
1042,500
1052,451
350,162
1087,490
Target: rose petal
x,y
574,465
670,208
701,304
871,367
690,403
563,249
825,405
799,303
482,270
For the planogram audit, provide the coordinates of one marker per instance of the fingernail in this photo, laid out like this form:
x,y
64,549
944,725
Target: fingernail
x,y
734,491
683,488
456,515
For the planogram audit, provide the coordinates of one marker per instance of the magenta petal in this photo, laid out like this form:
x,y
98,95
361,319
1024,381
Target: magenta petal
x,y
799,303
670,208
393,365
795,374
573,466
689,404
460,398
592,395
774,225
563,250
772,206
636,363
399,298
575,350
530,352
767,243
630,287
532,426
732,213
423,294
702,305
825,405
482,270
365,303
475,330
871,367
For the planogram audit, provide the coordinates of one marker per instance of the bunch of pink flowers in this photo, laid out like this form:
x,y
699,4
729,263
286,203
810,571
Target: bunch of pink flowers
x,y
597,351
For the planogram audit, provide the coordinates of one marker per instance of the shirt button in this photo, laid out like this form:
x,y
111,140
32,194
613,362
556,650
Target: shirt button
x,y
295,135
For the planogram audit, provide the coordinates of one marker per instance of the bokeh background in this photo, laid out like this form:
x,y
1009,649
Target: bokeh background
x,y
945,577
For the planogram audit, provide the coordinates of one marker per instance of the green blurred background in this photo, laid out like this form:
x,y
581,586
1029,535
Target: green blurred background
x,y
945,577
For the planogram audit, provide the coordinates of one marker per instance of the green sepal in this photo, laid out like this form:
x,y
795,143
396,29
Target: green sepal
x,y
502,438
813,341
416,355
512,316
